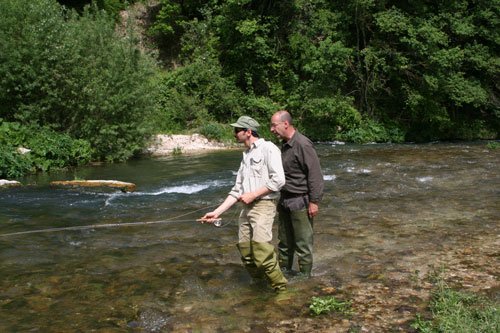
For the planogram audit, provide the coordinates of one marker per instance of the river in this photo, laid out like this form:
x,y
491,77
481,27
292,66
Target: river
x,y
393,216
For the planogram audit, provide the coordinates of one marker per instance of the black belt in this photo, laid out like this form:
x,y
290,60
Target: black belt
x,y
288,195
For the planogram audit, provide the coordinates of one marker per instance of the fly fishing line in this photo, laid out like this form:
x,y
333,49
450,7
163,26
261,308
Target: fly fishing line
x,y
111,225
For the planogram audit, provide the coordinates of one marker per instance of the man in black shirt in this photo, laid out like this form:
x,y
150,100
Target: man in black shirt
x,y
300,196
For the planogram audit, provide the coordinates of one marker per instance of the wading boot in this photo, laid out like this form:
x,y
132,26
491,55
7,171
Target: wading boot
x,y
288,273
257,275
305,270
265,258
303,274
286,265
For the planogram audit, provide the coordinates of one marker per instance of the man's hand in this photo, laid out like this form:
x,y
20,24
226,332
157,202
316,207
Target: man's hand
x,y
247,198
210,217
313,209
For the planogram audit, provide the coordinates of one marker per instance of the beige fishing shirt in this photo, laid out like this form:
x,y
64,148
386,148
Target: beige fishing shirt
x,y
261,166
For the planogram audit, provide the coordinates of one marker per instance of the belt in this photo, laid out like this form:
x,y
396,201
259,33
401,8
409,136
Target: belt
x,y
288,195
256,201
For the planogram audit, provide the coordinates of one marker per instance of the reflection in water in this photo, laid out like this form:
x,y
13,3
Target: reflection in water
x,y
391,214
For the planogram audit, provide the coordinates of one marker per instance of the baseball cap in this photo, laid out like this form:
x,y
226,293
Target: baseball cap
x,y
247,122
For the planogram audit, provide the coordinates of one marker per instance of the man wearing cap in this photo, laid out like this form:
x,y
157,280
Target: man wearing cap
x,y
258,183
300,196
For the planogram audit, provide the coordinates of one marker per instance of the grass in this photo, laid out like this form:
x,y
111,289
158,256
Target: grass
x,y
493,145
177,151
459,312
325,304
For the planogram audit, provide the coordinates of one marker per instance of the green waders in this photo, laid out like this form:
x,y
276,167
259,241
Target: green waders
x,y
246,257
260,259
295,234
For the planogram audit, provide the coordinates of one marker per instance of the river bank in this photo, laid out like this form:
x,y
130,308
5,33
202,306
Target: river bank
x,y
176,144
167,145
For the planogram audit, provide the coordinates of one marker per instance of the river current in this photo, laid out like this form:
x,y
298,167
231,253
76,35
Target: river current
x,y
392,215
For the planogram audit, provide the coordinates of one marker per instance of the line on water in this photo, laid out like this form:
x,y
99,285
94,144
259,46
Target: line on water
x,y
108,225
92,226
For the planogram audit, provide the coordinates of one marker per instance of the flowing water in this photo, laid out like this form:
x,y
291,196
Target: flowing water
x,y
392,215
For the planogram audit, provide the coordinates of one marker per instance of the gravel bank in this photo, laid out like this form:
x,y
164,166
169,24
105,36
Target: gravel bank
x,y
165,145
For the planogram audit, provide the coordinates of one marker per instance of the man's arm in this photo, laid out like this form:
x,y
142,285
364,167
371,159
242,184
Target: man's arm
x,y
315,181
248,198
211,216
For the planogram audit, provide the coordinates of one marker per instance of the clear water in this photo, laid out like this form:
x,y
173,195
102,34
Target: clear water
x,y
389,211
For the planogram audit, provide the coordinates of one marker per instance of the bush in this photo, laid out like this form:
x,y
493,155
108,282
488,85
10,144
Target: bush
x,y
195,94
472,129
372,131
13,164
48,150
178,110
216,131
493,145
75,74
323,118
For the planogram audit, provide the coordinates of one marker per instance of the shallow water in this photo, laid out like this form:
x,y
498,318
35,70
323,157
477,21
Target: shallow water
x,y
390,212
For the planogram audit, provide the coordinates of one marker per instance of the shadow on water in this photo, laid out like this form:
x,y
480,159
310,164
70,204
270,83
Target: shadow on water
x,y
392,216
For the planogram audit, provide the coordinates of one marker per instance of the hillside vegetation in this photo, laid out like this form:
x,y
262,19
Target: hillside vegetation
x,y
357,71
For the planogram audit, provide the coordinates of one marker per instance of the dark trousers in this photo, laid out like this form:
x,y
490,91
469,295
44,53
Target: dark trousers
x,y
295,234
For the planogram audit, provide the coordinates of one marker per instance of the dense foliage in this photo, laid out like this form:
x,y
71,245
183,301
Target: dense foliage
x,y
48,150
112,7
360,70
73,73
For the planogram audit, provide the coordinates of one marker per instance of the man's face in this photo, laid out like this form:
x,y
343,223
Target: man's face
x,y
240,134
278,127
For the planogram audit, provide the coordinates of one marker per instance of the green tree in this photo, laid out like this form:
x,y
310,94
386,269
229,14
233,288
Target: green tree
x,y
74,73
442,66
171,19
360,70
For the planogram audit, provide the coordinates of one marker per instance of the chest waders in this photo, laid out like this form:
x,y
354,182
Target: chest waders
x,y
260,261
295,234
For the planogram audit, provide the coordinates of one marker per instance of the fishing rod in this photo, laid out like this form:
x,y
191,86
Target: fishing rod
x,y
215,222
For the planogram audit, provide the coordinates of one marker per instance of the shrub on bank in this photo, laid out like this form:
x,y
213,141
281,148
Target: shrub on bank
x,y
372,131
194,94
47,150
216,131
72,72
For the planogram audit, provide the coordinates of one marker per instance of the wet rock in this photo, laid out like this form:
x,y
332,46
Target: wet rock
x,y
9,183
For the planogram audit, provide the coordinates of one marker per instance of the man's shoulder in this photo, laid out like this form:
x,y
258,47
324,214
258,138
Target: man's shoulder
x,y
302,139
271,145
268,145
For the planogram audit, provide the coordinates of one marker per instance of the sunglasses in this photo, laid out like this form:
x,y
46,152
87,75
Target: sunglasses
x,y
239,129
